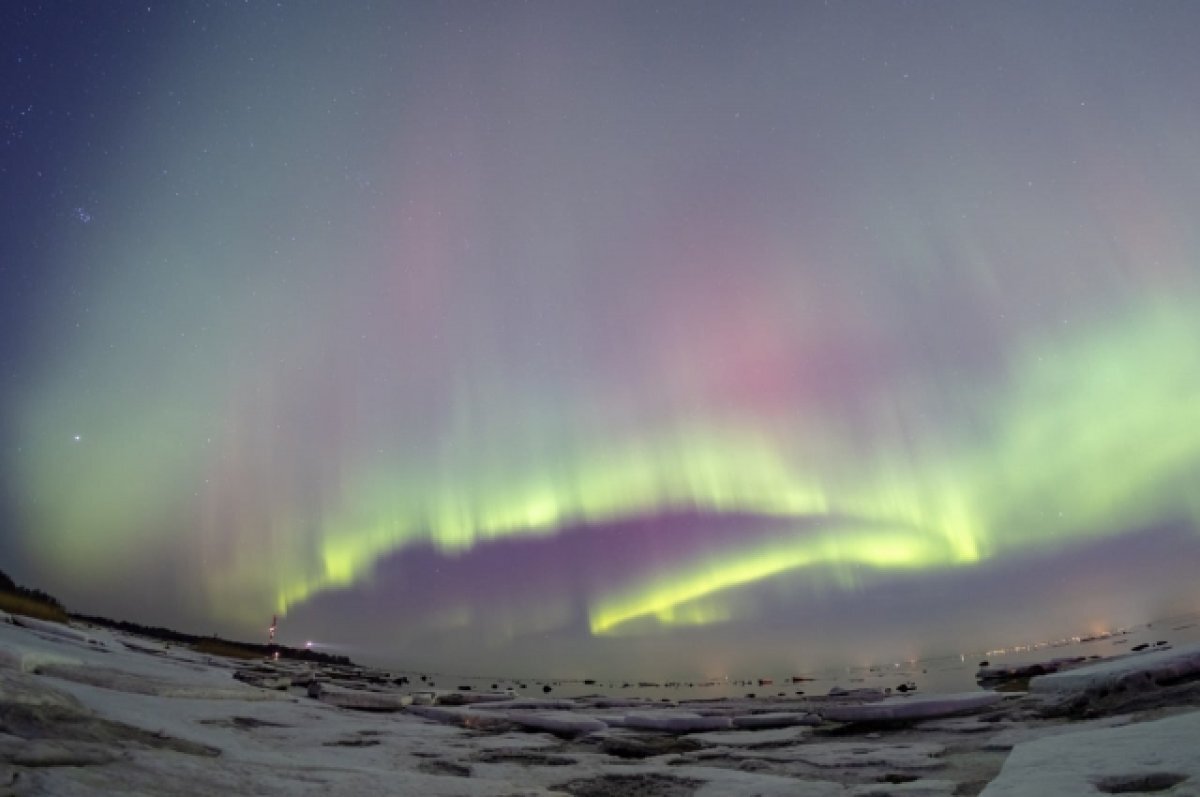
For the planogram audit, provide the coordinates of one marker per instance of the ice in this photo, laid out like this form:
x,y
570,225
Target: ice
x,y
537,703
54,629
778,719
1133,672
676,722
1020,734
137,718
358,700
1158,756
911,708
559,723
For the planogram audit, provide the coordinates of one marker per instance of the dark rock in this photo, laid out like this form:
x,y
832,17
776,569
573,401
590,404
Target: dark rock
x,y
648,785
529,758
647,746
352,742
451,768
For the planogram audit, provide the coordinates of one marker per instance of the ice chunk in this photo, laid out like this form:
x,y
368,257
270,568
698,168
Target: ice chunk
x,y
911,708
560,723
676,722
1142,671
777,719
1144,757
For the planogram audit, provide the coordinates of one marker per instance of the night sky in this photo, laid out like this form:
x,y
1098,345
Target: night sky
x,y
629,337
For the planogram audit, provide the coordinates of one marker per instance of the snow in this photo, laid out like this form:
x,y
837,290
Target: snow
x,y
117,714
560,723
915,755
1135,671
777,719
911,708
1152,756
360,700
675,721
1020,734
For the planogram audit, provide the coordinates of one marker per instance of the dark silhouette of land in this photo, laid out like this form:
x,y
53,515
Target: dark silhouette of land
x,y
17,599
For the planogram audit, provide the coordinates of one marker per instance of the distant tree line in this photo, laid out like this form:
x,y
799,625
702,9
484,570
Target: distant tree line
x,y
171,635
7,585
13,588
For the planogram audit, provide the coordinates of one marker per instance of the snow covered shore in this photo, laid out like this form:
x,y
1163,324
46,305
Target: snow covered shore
x,y
87,711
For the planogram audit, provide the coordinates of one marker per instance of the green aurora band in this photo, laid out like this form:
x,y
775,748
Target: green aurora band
x,y
1095,435
362,283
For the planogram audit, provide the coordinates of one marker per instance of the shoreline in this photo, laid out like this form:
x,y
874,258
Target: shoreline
x,y
101,711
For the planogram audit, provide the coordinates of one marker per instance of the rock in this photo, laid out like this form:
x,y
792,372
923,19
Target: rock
x,y
911,708
773,737
993,676
858,694
48,753
918,787
620,785
647,746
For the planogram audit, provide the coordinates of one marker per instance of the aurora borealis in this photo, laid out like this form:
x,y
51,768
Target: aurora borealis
x,y
567,333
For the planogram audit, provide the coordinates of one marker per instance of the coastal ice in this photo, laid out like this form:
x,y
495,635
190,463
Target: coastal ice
x,y
911,708
97,712
1135,671
1160,756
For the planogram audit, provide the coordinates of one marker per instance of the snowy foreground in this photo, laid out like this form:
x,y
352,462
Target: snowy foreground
x,y
86,711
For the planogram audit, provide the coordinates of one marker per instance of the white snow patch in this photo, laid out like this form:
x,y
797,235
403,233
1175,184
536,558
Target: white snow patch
x,y
1145,670
1158,756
